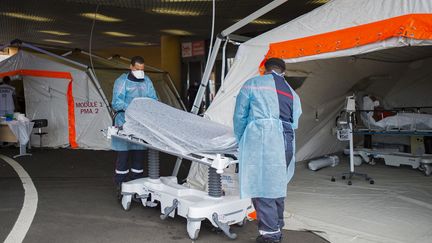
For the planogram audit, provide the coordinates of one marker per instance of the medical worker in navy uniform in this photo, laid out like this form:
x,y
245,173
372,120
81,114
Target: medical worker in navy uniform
x,y
266,114
128,86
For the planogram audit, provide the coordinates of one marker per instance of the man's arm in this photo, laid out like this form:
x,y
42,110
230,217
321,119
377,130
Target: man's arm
x,y
119,94
241,113
151,92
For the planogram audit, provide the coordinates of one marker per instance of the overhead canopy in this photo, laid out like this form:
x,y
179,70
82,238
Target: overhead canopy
x,y
334,47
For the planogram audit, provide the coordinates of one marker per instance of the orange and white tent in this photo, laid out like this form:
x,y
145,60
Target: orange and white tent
x,y
378,47
65,95
342,47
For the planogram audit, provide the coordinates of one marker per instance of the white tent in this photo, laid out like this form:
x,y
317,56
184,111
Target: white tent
x,y
340,47
65,95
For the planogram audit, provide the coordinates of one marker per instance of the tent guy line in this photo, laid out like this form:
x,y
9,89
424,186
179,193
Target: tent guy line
x,y
29,207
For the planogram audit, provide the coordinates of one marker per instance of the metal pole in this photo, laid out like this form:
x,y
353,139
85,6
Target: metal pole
x,y
67,53
177,166
100,90
260,12
223,72
175,91
351,143
209,66
206,76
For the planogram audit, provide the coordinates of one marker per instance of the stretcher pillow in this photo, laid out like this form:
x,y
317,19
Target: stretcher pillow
x,y
172,129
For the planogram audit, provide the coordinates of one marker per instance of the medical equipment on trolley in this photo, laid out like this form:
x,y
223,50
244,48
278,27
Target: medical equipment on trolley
x,y
183,135
417,126
345,133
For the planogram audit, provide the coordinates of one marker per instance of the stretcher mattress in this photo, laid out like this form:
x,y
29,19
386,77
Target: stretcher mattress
x,y
172,129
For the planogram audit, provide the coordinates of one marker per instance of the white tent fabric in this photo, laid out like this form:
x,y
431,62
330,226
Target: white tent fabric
x,y
46,98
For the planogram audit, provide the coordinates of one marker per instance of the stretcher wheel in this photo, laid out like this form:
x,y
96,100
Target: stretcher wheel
x,y
371,182
126,202
333,179
343,177
349,183
193,229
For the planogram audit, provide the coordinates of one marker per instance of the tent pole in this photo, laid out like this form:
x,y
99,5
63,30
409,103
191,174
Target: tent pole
x,y
175,91
96,82
206,76
53,55
209,66
94,55
66,54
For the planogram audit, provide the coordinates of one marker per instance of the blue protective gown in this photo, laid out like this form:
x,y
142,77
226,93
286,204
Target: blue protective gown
x,y
126,88
259,131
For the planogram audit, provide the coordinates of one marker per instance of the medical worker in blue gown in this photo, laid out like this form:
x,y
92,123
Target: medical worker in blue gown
x,y
128,86
266,114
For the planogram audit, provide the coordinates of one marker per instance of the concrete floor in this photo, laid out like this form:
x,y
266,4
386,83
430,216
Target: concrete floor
x,y
77,203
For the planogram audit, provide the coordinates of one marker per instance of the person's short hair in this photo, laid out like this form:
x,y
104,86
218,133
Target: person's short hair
x,y
275,63
6,79
137,59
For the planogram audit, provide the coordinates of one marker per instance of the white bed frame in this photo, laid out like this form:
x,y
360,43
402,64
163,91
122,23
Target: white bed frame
x,y
194,205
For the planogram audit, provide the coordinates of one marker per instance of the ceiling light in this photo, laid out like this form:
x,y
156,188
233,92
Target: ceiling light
x,y
117,34
58,41
139,43
263,21
318,1
169,11
26,16
100,17
177,32
53,32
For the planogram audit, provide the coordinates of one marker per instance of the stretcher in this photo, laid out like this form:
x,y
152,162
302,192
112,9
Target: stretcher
x,y
402,123
173,198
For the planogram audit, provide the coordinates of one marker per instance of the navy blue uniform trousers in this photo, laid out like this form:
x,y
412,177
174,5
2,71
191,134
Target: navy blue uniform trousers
x,y
122,165
270,210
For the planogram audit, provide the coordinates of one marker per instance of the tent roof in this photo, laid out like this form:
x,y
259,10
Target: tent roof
x,y
338,15
333,16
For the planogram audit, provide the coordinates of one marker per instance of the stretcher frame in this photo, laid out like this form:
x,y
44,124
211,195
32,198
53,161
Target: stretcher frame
x,y
194,205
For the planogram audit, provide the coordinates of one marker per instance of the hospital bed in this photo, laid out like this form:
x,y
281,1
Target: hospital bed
x,y
165,129
403,123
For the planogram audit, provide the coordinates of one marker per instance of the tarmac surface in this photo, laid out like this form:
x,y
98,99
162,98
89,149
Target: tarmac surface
x,y
77,203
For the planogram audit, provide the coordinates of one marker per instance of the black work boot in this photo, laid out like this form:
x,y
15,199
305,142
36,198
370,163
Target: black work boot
x,y
262,239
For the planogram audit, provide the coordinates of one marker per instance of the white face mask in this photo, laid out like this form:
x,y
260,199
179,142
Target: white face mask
x,y
139,74
376,103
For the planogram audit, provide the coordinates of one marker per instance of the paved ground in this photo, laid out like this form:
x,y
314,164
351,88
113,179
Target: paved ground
x,y
77,203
